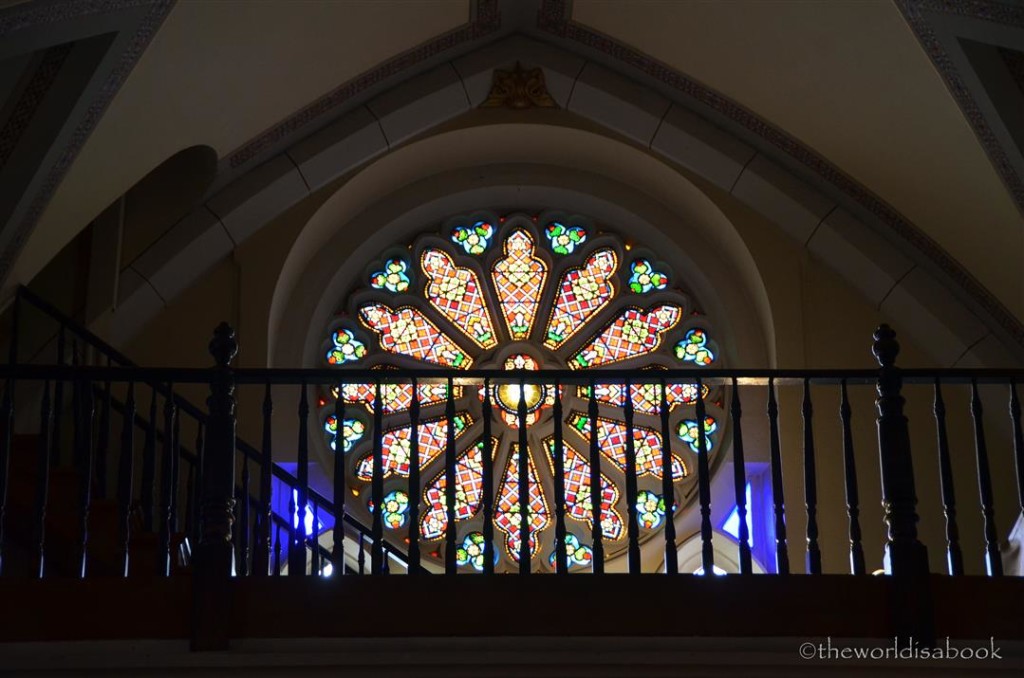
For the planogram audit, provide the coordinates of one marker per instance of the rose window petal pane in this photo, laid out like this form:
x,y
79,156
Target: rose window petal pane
x,y
519,280
397,450
507,515
634,333
582,293
455,292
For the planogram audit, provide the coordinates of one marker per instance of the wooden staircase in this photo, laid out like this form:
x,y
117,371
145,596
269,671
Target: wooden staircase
x,y
63,521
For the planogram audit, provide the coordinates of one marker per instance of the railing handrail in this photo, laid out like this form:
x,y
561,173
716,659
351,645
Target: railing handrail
x,y
314,376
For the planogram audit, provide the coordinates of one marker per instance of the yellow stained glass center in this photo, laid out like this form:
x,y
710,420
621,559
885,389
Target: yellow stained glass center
x,y
509,396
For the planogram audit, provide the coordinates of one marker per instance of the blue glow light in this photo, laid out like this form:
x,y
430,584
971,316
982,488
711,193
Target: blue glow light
x,y
732,523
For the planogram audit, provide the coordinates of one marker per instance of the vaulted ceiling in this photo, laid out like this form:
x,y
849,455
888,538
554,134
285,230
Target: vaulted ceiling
x,y
853,83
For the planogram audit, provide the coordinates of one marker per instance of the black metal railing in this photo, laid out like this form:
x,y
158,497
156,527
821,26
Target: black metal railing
x,y
230,527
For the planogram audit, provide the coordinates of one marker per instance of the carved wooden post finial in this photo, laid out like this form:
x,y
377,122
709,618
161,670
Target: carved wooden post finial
x,y
223,346
885,348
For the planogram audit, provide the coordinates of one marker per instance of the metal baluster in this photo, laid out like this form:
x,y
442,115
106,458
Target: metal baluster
x,y
261,559
42,481
361,558
850,477
172,521
148,489
450,536
739,477
595,483
561,557
338,553
86,411
190,490
297,548
703,487
414,479
58,403
124,476
778,498
954,556
671,553
524,484
314,556
487,480
103,441
243,519
7,421
377,484
194,494
167,485
810,484
633,525
1018,442
277,550
6,440
992,559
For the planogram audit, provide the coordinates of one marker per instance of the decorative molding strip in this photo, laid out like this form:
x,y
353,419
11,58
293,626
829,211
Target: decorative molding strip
x,y
38,85
34,14
487,20
553,18
988,11
144,32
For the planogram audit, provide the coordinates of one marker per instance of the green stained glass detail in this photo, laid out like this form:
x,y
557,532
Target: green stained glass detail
x,y
352,431
474,239
650,509
576,553
565,239
396,509
346,348
689,433
471,552
394,277
693,348
643,278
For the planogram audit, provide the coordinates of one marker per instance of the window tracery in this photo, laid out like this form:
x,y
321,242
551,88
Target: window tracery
x,y
522,293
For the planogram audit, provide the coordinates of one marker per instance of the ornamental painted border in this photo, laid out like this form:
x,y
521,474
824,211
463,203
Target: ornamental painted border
x,y
27,17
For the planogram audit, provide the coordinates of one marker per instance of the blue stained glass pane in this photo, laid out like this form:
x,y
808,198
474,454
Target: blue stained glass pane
x,y
308,522
731,525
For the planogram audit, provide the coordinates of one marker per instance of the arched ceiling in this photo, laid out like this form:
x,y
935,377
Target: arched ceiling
x,y
849,81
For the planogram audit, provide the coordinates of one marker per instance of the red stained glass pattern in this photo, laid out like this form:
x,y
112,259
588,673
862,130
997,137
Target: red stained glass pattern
x,y
519,279
397,397
507,516
433,437
646,443
455,292
634,333
646,397
577,491
582,292
468,491
407,331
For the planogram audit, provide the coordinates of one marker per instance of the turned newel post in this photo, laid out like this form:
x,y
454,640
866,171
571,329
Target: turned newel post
x,y
904,553
215,557
911,610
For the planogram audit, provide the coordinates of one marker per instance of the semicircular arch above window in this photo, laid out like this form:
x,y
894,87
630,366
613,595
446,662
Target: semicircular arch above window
x,y
550,291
